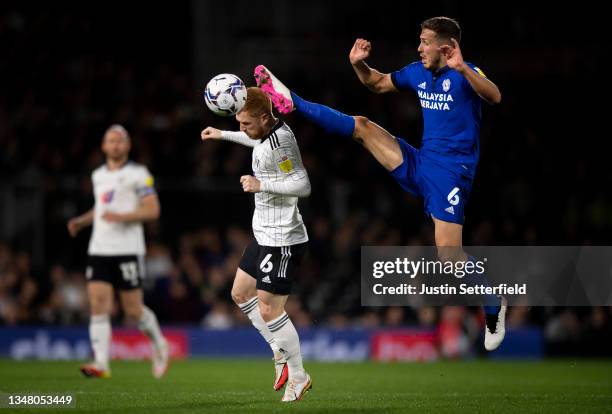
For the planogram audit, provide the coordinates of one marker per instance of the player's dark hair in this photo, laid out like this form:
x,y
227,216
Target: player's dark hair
x,y
445,27
257,102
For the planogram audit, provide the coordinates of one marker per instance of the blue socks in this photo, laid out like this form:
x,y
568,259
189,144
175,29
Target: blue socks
x,y
491,303
332,121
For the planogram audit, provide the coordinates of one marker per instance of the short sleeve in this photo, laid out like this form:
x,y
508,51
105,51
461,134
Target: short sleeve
x,y
403,79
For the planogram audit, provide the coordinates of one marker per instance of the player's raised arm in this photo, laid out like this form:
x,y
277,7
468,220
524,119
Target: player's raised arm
x,y
375,81
233,136
486,89
210,133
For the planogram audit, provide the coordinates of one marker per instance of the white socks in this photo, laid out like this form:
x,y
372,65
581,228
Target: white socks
x,y
251,310
281,335
288,342
100,337
149,325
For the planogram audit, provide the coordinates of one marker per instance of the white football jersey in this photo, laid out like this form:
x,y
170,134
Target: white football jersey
x,y
119,191
277,164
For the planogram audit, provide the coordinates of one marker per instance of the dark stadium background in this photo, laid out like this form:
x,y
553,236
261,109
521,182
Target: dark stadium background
x,y
68,70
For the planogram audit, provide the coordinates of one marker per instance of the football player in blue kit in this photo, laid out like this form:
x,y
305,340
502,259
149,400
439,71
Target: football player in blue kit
x,y
442,170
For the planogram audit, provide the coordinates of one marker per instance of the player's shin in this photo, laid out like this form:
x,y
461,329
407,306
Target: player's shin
x,y
288,341
332,121
100,337
251,310
491,303
149,325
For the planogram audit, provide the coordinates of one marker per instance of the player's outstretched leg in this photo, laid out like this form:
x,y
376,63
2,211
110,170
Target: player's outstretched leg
x,y
244,294
380,143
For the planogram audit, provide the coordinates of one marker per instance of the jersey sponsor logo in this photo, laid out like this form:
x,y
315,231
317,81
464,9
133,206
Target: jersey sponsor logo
x,y
423,85
149,181
266,279
446,85
107,196
453,196
450,210
437,101
285,164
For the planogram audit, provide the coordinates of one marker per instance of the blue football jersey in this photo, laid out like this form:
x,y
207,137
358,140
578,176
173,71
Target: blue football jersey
x,y
451,113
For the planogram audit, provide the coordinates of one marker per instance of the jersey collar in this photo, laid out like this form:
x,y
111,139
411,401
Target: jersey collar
x,y
439,72
276,126
128,161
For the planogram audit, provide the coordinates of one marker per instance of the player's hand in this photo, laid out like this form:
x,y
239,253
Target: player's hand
x,y
360,51
113,217
250,184
74,226
454,58
210,133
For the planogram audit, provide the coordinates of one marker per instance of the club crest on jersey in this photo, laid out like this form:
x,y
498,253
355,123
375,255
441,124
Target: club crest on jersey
x,y
446,85
285,164
107,196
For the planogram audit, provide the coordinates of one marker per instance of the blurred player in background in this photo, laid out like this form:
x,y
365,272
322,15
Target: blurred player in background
x,y
269,263
443,169
124,199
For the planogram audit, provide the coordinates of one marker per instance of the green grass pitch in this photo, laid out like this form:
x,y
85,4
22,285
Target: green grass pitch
x,y
245,386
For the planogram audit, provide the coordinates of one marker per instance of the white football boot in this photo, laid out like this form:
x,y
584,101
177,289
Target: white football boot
x,y
160,359
295,392
495,328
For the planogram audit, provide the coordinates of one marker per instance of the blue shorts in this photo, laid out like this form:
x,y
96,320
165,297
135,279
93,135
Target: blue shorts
x,y
445,191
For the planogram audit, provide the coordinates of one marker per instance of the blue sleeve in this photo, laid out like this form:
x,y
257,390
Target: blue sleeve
x,y
403,79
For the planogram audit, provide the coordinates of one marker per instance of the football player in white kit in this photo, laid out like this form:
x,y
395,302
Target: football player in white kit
x,y
269,263
124,199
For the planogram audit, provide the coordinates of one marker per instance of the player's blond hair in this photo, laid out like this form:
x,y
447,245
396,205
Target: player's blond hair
x,y
257,102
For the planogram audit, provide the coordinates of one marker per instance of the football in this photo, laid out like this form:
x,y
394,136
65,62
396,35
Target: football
x,y
225,94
